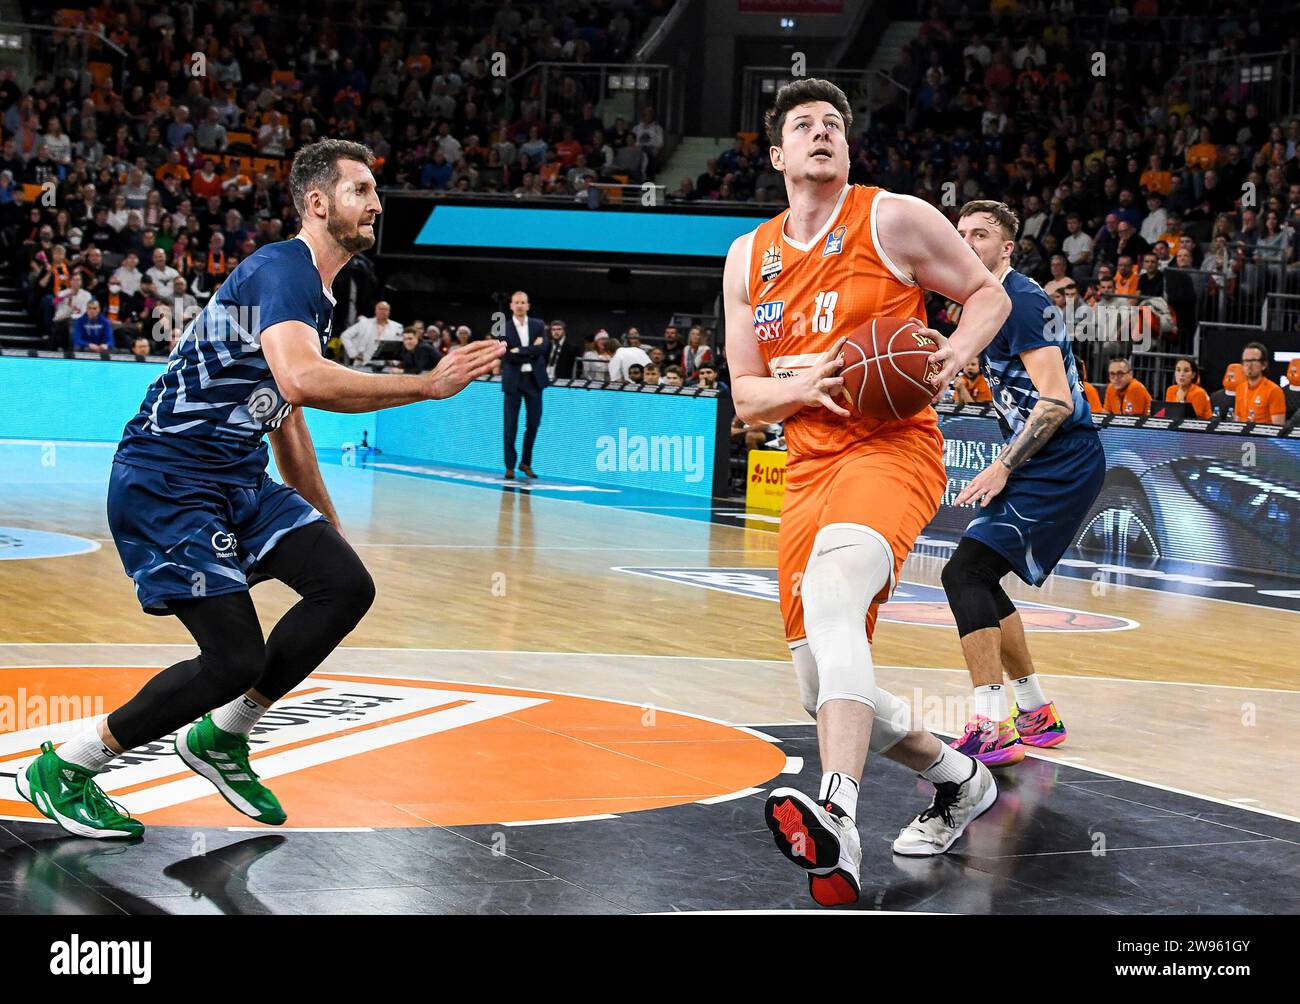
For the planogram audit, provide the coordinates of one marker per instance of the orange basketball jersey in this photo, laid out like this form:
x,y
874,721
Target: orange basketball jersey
x,y
807,296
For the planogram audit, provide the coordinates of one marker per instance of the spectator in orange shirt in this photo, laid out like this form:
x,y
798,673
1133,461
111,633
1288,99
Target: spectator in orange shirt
x,y
173,167
1203,155
568,149
1125,394
1126,277
971,387
1187,388
1089,391
207,181
1259,399
1155,178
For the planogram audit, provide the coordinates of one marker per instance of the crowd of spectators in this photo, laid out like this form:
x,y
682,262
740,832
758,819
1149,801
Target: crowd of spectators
x,y
142,197
382,343
1132,190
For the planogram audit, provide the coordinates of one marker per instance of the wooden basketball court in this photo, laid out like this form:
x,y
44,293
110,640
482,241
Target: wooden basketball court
x,y
548,675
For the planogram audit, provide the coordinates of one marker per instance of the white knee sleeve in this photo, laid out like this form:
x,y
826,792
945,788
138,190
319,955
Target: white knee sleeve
x,y
893,721
849,566
893,715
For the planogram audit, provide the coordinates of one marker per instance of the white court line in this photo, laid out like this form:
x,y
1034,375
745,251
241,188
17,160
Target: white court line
x,y
595,655
1128,623
793,765
1115,679
557,819
1111,850
759,735
301,829
716,799
1169,788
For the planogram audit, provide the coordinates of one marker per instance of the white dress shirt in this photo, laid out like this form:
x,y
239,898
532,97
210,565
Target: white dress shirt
x,y
625,356
362,339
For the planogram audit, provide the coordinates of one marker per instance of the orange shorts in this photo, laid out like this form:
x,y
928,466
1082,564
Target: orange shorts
x,y
892,484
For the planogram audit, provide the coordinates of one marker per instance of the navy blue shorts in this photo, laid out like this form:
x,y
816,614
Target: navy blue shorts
x,y
181,537
1035,519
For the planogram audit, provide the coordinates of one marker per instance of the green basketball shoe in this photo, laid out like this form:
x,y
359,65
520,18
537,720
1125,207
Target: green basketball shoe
x,y
68,794
222,757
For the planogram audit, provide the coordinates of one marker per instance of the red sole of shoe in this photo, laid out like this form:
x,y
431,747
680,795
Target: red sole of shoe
x,y
835,889
799,838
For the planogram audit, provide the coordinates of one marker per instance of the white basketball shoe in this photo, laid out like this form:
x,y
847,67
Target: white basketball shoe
x,y
823,842
954,808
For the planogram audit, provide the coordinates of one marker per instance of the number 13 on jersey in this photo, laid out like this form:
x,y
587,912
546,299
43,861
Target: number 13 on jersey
x,y
824,311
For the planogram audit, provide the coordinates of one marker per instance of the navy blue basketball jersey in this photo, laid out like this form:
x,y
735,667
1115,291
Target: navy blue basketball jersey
x,y
207,413
1034,322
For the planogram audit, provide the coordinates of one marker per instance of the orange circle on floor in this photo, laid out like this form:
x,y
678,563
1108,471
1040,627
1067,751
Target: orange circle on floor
x,y
361,751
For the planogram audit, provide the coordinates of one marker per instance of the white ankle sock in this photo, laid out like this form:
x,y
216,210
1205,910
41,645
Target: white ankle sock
x,y
951,766
87,750
1029,695
840,790
991,702
239,716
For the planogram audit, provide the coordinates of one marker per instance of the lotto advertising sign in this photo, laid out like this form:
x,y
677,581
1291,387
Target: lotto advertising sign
x,y
765,485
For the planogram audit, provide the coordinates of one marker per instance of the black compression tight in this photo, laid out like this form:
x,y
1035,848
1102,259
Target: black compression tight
x,y
336,590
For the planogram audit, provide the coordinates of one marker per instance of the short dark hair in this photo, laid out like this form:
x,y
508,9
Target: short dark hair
x,y
1000,211
800,92
316,165
1263,350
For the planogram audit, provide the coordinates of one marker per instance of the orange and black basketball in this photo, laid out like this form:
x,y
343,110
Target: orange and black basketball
x,y
886,368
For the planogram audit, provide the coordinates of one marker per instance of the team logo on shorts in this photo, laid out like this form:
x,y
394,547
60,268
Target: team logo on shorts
x,y
834,241
771,266
768,322
224,544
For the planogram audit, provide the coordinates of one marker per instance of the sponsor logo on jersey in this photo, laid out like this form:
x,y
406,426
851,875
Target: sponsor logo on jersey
x,y
834,241
768,320
771,266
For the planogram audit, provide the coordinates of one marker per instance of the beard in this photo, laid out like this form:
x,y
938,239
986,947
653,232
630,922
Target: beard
x,y
348,236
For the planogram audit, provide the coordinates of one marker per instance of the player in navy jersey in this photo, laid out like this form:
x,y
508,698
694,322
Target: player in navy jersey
x,y
1033,498
197,520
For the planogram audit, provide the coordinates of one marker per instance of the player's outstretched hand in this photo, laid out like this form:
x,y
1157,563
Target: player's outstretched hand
x,y
461,365
818,382
943,360
985,486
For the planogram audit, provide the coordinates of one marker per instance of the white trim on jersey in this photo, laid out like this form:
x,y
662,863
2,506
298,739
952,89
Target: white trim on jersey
x,y
797,362
749,260
328,295
898,273
825,226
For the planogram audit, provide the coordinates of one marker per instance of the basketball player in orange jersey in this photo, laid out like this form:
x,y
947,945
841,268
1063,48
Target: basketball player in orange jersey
x,y
858,490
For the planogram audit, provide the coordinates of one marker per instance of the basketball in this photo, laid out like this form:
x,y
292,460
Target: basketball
x,y
886,369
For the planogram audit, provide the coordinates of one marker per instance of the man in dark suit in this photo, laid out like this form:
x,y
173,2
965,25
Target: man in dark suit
x,y
523,377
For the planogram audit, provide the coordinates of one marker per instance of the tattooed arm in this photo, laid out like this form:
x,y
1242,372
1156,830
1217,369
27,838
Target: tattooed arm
x,y
1046,369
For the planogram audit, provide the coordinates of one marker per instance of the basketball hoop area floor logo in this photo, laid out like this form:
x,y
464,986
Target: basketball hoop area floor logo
x,y
362,751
